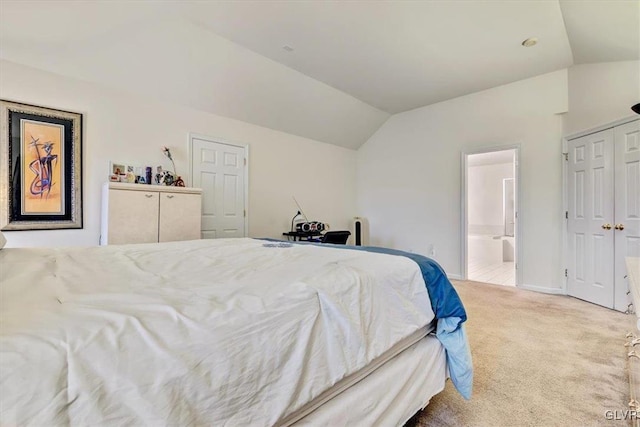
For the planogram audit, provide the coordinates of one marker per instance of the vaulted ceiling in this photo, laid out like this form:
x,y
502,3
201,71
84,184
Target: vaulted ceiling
x,y
326,70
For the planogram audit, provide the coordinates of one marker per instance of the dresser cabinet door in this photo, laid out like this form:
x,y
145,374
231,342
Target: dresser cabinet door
x,y
180,217
133,216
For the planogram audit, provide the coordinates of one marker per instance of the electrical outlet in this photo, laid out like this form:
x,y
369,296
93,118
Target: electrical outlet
x,y
432,250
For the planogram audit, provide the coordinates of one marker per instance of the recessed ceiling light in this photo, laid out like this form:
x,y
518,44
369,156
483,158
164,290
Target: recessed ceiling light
x,y
287,48
531,41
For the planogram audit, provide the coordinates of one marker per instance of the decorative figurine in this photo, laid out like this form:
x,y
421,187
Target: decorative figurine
x,y
167,178
167,152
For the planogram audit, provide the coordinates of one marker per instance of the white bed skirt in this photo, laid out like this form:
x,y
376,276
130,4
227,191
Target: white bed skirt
x,y
390,395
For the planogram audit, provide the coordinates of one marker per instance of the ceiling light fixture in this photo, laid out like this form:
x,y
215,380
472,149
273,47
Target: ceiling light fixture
x,y
531,41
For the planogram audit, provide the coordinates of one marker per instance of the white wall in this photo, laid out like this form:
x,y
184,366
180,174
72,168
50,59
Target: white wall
x,y
123,127
180,62
409,173
601,93
485,188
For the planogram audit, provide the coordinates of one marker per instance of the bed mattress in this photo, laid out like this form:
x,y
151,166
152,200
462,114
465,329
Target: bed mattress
x,y
216,332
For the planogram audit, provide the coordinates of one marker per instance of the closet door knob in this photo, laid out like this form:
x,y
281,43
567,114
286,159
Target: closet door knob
x,y
619,226
606,226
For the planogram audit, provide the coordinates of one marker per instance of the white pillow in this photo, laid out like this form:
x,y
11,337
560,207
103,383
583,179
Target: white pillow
x,y
3,241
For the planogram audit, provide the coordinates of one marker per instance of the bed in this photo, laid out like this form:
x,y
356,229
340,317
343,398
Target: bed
x,y
225,332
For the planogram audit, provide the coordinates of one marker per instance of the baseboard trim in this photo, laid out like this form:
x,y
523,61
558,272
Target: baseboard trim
x,y
542,289
534,288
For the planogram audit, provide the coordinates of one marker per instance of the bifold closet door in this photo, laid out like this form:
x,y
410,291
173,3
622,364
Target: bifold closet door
x,y
590,218
627,204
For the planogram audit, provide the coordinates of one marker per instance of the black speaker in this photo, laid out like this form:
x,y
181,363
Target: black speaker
x,y
308,227
636,108
360,231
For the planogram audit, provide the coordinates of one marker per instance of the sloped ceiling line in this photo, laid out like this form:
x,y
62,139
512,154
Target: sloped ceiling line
x,y
351,64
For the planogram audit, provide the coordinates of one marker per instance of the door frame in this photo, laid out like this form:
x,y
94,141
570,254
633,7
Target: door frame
x,y
565,189
223,141
464,253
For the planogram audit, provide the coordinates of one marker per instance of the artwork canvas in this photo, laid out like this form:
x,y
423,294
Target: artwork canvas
x,y
41,148
40,167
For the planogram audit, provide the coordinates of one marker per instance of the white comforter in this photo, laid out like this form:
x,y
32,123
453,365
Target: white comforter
x,y
208,332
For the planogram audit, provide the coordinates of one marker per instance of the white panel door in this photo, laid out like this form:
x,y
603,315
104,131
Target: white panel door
x,y
180,216
590,273
627,200
219,169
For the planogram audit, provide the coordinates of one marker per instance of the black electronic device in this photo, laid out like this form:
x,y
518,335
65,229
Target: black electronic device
x,y
310,226
361,231
306,226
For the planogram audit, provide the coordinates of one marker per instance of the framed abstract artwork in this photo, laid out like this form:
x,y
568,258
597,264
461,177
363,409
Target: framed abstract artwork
x,y
40,168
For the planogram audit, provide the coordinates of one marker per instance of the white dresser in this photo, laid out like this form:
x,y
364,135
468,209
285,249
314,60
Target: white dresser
x,y
633,280
139,213
633,349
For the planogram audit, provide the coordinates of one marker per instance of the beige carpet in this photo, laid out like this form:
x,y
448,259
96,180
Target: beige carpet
x,y
540,360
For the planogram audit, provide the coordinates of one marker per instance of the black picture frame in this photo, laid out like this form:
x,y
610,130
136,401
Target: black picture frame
x,y
40,168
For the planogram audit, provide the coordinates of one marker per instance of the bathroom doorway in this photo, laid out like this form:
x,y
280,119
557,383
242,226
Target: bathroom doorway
x,y
490,216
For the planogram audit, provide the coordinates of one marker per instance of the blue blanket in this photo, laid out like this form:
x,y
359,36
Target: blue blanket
x,y
449,312
445,301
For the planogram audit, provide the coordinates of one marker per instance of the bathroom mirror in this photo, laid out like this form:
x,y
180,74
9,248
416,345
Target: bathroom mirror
x,y
508,206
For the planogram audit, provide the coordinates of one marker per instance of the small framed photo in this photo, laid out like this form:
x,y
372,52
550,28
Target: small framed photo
x,y
117,169
123,172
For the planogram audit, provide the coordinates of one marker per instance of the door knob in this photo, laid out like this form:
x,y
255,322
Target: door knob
x,y
606,226
619,227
